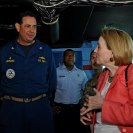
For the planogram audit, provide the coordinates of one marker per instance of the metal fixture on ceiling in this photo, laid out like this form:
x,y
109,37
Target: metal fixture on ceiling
x,y
51,9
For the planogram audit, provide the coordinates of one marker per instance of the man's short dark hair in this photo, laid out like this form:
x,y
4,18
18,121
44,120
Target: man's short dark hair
x,y
65,52
24,14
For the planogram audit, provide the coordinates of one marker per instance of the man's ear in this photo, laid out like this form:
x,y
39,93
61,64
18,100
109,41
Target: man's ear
x,y
17,26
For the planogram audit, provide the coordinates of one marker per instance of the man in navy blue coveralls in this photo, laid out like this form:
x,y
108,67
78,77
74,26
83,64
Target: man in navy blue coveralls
x,y
27,79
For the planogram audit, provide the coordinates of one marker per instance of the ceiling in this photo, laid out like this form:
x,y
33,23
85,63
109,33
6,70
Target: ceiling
x,y
77,22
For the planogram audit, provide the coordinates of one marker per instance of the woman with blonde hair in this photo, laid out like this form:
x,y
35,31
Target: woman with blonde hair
x,y
111,109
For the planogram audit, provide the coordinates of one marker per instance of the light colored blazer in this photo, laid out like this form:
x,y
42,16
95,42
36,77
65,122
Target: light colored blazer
x,y
117,107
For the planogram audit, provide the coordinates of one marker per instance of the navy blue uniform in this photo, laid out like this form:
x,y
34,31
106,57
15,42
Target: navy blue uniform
x,y
26,76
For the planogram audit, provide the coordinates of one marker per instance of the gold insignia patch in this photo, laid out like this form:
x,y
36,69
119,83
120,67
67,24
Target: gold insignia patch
x,y
10,60
41,59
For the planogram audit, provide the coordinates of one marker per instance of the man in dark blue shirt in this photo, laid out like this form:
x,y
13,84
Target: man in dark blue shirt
x,y
27,80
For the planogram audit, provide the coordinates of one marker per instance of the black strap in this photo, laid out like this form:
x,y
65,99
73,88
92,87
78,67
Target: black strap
x,y
126,75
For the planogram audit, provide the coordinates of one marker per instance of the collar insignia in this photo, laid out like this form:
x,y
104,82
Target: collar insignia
x,y
12,48
40,48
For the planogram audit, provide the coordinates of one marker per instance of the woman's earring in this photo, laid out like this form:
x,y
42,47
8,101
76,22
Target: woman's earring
x,y
111,59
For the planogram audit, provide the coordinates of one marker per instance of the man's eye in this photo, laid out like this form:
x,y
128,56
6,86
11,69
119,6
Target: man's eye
x,y
27,26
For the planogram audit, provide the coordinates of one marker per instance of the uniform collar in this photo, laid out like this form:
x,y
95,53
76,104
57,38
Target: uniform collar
x,y
64,67
16,48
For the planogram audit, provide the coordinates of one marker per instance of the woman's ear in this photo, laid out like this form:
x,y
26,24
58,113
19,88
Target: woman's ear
x,y
17,26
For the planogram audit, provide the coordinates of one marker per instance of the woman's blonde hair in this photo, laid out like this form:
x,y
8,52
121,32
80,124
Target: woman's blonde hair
x,y
120,43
